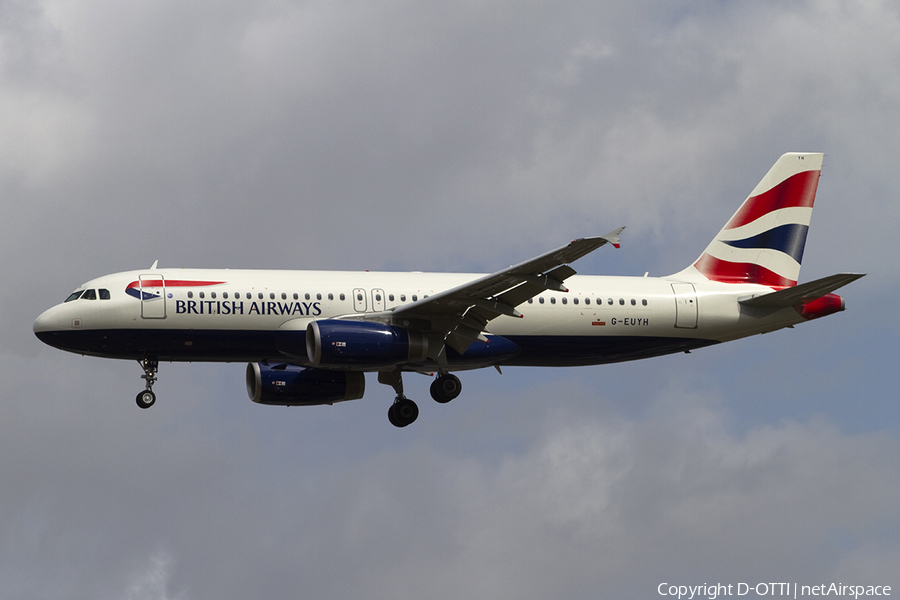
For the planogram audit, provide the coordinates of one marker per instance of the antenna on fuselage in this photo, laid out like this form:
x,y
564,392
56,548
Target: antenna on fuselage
x,y
155,262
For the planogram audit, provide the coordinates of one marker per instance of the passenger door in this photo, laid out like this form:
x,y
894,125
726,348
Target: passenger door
x,y
153,296
685,305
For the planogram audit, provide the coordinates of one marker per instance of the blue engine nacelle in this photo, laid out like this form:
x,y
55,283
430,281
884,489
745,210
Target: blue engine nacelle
x,y
363,344
289,385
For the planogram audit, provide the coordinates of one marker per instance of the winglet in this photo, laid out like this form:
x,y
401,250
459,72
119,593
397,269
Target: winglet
x,y
613,237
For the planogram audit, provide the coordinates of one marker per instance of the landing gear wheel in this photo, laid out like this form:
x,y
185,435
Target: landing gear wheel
x,y
445,388
145,399
403,412
392,416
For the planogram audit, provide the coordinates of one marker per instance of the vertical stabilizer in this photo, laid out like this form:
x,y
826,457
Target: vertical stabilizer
x,y
763,242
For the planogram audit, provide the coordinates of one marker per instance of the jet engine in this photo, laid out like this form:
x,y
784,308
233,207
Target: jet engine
x,y
363,344
289,385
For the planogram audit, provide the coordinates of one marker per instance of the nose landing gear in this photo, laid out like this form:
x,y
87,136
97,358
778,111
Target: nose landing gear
x,y
146,398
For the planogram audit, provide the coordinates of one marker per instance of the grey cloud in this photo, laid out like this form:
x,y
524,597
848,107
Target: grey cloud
x,y
462,136
599,504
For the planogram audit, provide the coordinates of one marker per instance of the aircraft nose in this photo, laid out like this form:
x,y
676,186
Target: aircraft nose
x,y
41,323
45,322
48,324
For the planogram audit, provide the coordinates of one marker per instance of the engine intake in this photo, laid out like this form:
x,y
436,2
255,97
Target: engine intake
x,y
289,385
364,344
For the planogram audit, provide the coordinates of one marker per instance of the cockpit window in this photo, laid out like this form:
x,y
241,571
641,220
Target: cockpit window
x,y
74,295
89,295
104,294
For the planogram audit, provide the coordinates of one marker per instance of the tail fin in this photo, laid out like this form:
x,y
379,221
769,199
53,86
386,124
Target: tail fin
x,y
763,242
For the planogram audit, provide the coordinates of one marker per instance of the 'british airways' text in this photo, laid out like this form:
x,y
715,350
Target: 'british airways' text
x,y
220,307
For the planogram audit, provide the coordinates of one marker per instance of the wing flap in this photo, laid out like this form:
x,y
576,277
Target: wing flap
x,y
540,273
461,314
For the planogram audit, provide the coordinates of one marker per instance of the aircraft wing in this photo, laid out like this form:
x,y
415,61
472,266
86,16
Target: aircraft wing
x,y
463,312
802,293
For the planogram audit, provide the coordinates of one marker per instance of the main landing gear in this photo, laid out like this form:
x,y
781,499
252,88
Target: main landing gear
x,y
404,411
146,398
445,388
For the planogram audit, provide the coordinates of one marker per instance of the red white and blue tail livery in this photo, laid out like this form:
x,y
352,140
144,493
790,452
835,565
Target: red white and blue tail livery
x,y
310,336
763,242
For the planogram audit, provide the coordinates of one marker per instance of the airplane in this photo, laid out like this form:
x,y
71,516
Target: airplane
x,y
310,336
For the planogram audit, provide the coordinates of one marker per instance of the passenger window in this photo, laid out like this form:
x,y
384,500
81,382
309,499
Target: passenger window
x,y
202,295
390,297
318,296
271,295
89,295
621,301
104,294
343,297
306,296
587,300
644,302
283,296
190,294
402,297
331,297
249,295
225,295
531,301
74,295
296,296
565,300
212,295
633,301
574,300
541,299
552,300
610,302
415,297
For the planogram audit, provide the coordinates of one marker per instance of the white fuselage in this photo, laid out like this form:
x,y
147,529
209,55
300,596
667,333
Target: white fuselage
x,y
310,335
238,315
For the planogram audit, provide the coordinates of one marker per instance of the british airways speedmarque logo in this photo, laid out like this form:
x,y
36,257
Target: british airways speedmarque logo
x,y
148,289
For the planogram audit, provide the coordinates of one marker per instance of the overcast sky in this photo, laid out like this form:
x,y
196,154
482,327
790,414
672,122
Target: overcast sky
x,y
459,136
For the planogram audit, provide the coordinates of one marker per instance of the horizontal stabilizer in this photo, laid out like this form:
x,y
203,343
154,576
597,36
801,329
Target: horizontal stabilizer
x,y
803,293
